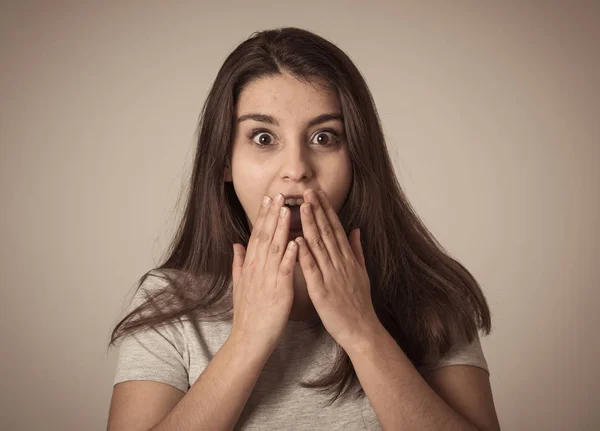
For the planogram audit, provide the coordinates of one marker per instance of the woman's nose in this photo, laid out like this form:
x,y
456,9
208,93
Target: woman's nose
x,y
296,163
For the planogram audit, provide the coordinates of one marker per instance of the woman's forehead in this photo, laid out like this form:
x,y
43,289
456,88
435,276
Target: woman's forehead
x,y
286,93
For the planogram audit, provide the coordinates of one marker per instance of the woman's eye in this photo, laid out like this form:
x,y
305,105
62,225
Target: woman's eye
x,y
263,141
326,138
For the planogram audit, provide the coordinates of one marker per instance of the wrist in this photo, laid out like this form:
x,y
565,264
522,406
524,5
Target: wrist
x,y
366,338
252,345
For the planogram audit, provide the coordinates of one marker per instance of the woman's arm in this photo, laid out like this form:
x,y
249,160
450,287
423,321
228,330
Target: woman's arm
x,y
450,398
467,390
215,401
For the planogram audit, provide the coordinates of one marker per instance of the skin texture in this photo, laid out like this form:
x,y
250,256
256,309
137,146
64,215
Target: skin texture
x,y
296,156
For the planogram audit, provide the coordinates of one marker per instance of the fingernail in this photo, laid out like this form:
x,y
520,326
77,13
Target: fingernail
x,y
280,199
266,201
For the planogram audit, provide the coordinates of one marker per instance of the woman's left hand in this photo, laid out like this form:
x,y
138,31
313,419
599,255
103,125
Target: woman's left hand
x,y
334,268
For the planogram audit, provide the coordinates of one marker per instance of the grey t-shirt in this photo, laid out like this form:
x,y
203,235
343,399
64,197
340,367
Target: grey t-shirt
x,y
176,355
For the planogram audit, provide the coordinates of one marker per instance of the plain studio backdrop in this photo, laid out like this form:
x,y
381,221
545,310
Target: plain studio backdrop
x,y
491,113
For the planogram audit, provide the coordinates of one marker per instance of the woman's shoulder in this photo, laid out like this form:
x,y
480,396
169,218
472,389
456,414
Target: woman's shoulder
x,y
463,352
168,289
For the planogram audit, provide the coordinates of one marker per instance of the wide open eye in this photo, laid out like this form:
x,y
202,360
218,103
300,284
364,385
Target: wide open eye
x,y
263,138
331,138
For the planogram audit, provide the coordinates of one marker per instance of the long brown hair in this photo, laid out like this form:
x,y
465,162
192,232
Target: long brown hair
x,y
425,298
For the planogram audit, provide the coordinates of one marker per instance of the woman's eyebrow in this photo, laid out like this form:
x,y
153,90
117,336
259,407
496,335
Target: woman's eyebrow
x,y
263,118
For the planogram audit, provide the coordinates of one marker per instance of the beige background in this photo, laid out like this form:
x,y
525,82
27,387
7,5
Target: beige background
x,y
491,112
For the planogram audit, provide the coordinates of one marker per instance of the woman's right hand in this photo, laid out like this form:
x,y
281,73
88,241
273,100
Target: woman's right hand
x,y
263,290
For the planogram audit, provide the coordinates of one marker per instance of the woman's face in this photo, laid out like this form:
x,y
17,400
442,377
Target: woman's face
x,y
295,154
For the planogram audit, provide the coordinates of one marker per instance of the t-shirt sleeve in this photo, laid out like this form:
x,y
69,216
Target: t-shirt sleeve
x,y
461,354
159,354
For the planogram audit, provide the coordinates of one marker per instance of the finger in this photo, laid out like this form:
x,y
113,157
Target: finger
x,y
324,227
280,238
336,224
264,237
310,268
285,275
312,236
263,211
239,253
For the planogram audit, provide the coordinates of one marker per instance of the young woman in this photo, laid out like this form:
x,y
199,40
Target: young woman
x,y
299,271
